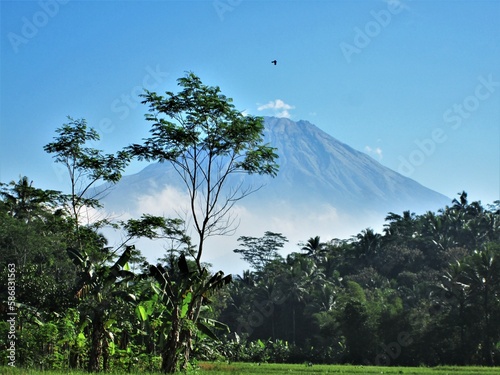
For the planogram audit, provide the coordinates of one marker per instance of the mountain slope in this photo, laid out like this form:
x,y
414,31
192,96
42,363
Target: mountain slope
x,y
323,187
314,164
314,168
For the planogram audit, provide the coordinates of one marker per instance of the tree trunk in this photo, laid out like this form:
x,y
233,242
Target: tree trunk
x,y
105,355
187,339
169,356
487,347
180,341
95,355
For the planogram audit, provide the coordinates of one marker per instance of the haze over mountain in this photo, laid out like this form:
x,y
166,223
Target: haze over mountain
x,y
323,187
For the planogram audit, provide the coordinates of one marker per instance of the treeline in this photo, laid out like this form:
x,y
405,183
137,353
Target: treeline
x,y
426,291
70,300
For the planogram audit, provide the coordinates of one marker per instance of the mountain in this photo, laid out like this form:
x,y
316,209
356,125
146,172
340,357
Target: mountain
x,y
314,164
314,168
323,187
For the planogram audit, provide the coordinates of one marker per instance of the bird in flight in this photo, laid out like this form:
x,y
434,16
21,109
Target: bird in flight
x,y
274,62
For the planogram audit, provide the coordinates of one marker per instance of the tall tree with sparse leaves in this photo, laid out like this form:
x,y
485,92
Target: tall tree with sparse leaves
x,y
206,140
85,165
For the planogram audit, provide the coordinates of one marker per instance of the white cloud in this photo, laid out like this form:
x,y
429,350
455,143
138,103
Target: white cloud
x,y
169,202
294,222
278,107
377,151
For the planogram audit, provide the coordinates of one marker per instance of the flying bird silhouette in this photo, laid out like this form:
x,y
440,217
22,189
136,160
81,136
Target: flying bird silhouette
x,y
274,62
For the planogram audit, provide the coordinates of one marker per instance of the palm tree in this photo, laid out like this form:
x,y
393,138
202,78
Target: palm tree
x,y
400,228
315,249
368,244
461,203
436,236
299,277
25,202
248,278
481,275
452,291
471,287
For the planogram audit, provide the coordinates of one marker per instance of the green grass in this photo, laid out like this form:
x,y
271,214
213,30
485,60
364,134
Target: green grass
x,y
252,368
276,369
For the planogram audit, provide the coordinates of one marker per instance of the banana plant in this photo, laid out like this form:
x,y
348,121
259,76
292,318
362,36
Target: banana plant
x,y
99,286
184,295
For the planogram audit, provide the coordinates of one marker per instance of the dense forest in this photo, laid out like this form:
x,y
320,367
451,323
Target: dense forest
x,y
425,291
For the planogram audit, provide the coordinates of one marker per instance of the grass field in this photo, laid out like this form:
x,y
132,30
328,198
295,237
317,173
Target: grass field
x,y
276,369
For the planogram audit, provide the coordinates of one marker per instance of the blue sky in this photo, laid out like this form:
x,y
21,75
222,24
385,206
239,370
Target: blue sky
x,y
415,84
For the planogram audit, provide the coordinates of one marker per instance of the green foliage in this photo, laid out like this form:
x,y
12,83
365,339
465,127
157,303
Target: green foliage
x,y
149,226
70,150
259,252
433,276
207,140
346,302
85,165
204,121
183,296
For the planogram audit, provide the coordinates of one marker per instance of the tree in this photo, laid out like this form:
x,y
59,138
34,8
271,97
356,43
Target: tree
x,y
315,249
98,282
24,211
367,245
99,285
481,275
260,251
355,324
207,141
401,228
33,237
200,133
452,291
25,202
297,282
86,166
